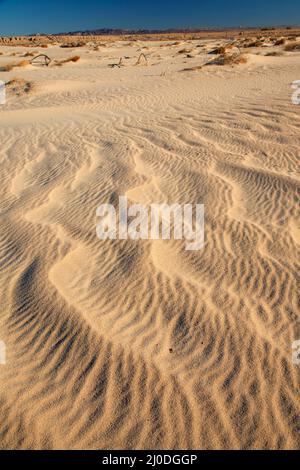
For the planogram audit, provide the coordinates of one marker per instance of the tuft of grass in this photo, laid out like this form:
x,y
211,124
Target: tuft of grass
x,y
28,54
233,59
280,42
19,86
274,54
192,69
6,68
74,58
9,67
72,44
257,43
218,50
184,51
295,46
23,63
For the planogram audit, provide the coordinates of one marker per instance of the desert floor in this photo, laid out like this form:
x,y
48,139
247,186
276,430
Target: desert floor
x,y
142,344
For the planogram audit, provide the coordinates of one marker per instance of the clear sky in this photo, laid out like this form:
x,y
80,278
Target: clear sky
x,y
51,16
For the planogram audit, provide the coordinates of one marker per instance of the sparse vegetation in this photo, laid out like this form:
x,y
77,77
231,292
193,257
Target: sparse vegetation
x,y
295,46
9,67
232,59
274,54
28,54
192,69
74,58
142,60
19,86
257,43
72,44
218,50
280,42
184,51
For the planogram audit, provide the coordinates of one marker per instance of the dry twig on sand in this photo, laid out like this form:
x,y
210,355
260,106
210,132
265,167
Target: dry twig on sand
x,y
139,61
41,59
119,64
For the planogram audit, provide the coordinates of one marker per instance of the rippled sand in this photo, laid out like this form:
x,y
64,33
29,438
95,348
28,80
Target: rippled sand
x,y
141,344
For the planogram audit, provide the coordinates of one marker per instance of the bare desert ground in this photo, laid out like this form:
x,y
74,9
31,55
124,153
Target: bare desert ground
x,y
122,344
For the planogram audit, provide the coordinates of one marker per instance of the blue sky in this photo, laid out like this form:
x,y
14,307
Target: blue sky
x,y
50,16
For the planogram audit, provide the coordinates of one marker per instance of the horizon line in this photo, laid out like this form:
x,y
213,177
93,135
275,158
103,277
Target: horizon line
x,y
160,30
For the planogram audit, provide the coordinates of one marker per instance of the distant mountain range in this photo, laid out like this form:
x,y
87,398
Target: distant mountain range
x,y
126,32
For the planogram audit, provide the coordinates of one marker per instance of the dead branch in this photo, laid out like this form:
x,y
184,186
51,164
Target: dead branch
x,y
119,65
142,55
46,62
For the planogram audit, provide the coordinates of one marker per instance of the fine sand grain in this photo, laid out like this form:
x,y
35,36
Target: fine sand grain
x,y
141,344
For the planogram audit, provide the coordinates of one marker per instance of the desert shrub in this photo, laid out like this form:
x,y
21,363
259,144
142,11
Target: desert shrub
x,y
19,86
295,46
218,50
72,44
280,42
233,59
74,58
9,67
184,51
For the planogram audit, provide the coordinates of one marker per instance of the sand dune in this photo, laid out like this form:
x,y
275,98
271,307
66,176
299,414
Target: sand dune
x,y
141,344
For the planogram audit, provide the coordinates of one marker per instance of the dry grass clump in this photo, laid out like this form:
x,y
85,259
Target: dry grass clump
x,y
19,86
28,54
6,68
72,44
9,67
74,58
280,42
218,50
274,54
257,43
184,51
192,69
295,46
23,63
233,59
